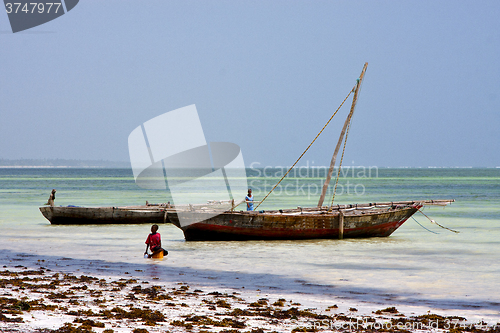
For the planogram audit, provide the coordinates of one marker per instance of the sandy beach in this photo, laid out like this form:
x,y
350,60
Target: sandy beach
x,y
47,295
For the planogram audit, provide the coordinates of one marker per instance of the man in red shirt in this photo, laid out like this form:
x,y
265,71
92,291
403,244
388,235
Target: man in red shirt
x,y
154,242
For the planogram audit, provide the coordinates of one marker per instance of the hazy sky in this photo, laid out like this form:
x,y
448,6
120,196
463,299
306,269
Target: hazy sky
x,y
263,74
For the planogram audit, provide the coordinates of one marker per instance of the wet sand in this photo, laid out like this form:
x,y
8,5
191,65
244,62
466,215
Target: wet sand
x,y
35,298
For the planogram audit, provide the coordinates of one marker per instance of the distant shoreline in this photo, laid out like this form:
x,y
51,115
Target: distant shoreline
x,y
61,167
62,163
124,166
96,164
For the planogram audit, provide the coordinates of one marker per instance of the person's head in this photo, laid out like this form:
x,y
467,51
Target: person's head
x,y
249,191
54,191
154,228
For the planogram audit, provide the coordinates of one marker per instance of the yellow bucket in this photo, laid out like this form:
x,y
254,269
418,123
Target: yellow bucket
x,y
158,255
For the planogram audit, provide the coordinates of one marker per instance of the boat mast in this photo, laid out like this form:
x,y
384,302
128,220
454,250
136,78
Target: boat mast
x,y
341,138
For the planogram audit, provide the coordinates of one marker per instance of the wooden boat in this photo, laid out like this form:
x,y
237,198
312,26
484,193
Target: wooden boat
x,y
148,213
340,221
334,221
103,215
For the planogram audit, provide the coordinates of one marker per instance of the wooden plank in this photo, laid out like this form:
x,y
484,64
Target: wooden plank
x,y
341,225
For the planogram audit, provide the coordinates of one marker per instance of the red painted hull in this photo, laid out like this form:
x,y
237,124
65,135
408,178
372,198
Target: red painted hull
x,y
267,226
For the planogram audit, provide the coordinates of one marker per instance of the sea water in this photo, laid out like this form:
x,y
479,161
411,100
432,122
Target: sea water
x,y
419,265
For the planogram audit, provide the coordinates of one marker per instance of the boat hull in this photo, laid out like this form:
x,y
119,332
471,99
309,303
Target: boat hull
x,y
102,215
326,225
346,221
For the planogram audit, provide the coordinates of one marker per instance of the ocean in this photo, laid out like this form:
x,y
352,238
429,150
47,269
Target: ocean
x,y
420,266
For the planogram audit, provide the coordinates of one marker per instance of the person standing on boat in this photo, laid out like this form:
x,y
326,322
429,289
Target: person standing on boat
x,y
52,197
249,200
154,242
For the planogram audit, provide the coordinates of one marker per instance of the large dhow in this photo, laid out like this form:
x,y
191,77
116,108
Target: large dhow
x,y
333,221
330,221
341,221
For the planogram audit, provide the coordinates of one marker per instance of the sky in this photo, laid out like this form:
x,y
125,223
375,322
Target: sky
x,y
265,75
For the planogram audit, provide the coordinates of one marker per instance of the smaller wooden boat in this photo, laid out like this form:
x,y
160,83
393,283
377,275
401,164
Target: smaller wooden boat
x,y
104,215
148,213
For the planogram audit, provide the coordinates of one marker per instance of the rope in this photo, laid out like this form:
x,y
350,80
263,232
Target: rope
x,y
340,164
439,225
424,227
350,92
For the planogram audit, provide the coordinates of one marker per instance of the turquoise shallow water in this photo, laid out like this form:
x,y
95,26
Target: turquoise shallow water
x,y
412,267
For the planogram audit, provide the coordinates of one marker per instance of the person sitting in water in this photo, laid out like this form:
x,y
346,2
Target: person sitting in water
x,y
153,242
52,197
249,200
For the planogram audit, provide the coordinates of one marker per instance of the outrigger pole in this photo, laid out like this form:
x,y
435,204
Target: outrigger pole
x,y
341,138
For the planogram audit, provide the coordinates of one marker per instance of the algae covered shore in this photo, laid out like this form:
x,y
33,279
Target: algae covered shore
x,y
35,298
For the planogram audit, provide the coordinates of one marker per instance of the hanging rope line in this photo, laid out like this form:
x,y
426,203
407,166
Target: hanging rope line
x,y
350,92
439,225
424,227
341,159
